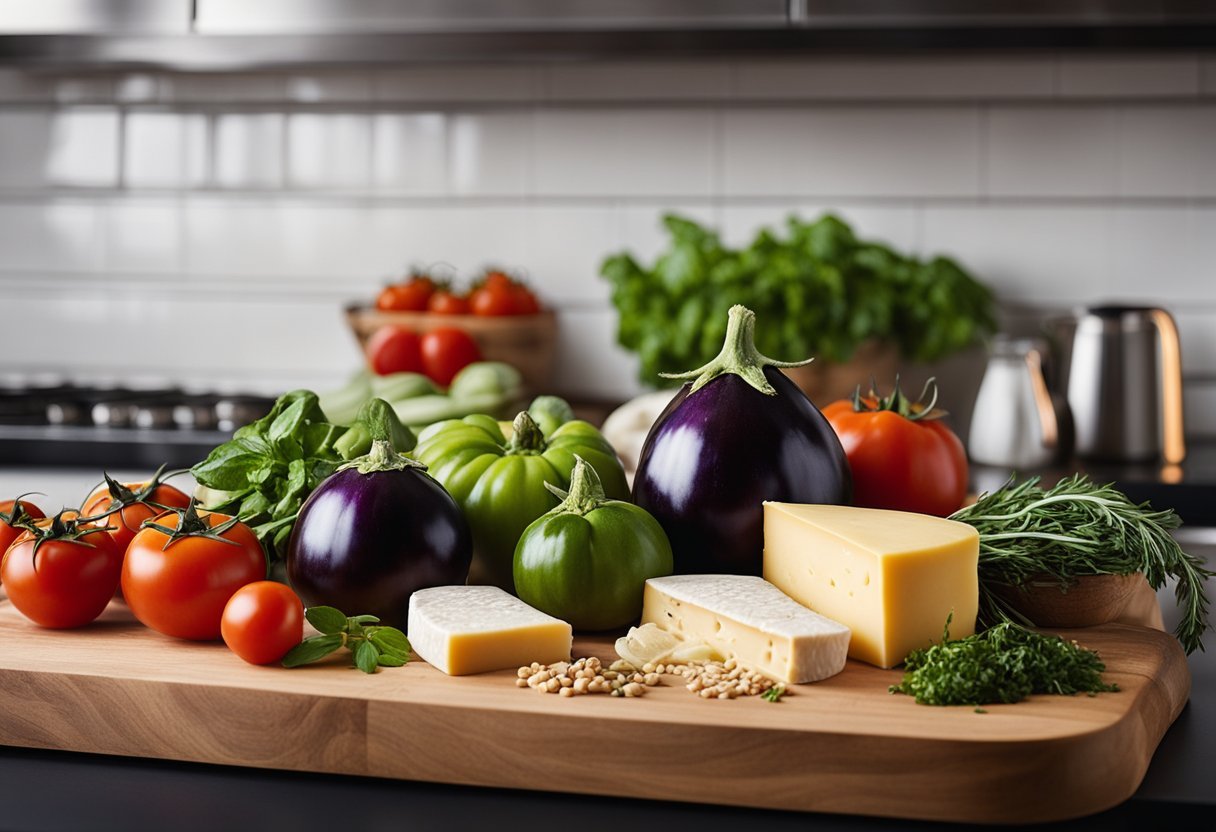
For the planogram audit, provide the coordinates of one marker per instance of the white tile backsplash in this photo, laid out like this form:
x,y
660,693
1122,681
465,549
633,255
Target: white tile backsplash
x,y
410,153
885,151
249,150
165,150
267,200
624,152
48,236
1167,151
1053,151
489,154
329,150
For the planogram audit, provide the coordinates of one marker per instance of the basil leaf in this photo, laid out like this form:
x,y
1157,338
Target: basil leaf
x,y
326,619
364,619
367,657
390,660
312,649
390,640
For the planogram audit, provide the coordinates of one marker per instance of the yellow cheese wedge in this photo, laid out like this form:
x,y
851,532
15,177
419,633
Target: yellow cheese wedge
x,y
475,629
749,619
892,577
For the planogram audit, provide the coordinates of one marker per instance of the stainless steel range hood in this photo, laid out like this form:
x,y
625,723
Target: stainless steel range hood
x,y
227,34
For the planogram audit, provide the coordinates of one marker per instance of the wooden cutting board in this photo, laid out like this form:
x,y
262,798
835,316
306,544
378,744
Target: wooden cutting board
x,y
843,745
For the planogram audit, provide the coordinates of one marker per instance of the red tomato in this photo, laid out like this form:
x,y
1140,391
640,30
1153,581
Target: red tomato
x,y
179,586
444,302
262,621
525,300
12,511
492,299
446,351
130,504
900,459
410,296
394,349
71,577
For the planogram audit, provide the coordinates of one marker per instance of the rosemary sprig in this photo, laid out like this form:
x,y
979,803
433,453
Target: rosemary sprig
x,y
1076,528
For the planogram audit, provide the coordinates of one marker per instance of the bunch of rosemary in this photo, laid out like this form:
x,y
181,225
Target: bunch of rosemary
x,y
1076,528
1003,664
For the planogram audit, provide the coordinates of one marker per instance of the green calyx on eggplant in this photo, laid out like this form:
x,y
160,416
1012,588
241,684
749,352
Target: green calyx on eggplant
x,y
738,433
587,560
376,530
500,483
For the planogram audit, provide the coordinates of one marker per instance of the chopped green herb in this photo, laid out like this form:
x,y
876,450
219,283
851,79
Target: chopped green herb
x,y
773,694
1001,665
371,646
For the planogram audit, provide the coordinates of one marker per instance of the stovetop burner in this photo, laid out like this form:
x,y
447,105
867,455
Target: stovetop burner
x,y
67,424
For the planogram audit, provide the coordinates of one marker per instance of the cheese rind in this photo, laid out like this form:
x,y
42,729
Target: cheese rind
x,y
750,619
474,629
892,577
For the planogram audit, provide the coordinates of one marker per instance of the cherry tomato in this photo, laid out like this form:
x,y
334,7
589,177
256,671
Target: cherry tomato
x,y
902,456
525,300
178,585
67,579
10,512
262,621
444,302
394,349
446,351
130,504
410,296
492,299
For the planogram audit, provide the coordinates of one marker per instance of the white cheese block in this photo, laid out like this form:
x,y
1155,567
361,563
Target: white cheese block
x,y
475,629
748,618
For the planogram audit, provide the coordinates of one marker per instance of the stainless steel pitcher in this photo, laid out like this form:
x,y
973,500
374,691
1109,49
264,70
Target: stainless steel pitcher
x,y
1124,383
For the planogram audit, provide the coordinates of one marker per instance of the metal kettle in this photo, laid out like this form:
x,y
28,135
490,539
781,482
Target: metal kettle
x,y
1124,385
1017,421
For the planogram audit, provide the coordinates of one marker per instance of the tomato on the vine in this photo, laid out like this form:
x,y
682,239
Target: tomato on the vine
x,y
182,568
446,351
262,621
410,296
127,505
902,455
394,349
525,300
447,302
61,573
12,514
492,299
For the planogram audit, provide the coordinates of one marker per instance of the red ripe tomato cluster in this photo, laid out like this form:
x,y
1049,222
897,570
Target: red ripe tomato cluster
x,y
494,294
183,572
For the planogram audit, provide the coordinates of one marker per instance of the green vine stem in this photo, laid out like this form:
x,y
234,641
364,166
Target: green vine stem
x,y
526,437
586,492
192,524
738,356
897,402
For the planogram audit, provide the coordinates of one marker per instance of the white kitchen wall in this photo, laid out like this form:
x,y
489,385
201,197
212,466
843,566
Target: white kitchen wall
x,y
207,229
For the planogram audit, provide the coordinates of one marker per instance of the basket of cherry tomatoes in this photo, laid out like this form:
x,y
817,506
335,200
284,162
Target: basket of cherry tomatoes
x,y
499,312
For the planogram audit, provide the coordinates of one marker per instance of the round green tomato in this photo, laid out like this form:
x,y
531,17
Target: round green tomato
x,y
591,569
500,484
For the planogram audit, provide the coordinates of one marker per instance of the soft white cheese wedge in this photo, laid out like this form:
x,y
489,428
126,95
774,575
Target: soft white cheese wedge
x,y
751,620
475,629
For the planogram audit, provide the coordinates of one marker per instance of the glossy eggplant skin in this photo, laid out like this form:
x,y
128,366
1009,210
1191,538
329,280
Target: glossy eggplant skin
x,y
365,542
713,457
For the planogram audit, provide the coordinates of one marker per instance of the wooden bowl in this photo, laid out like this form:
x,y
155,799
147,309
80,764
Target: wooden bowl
x,y
526,342
1089,601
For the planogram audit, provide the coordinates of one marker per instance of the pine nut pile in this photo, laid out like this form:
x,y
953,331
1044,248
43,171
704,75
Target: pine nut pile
x,y
707,679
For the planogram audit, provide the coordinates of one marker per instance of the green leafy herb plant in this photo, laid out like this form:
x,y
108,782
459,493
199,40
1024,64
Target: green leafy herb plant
x,y
371,645
824,290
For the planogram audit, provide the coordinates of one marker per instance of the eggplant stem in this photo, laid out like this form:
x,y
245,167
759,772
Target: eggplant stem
x,y
739,356
382,457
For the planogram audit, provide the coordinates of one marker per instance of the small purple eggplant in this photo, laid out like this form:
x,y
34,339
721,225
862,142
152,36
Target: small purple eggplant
x,y
739,433
377,530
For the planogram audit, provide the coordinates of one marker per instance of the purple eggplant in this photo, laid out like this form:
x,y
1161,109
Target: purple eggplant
x,y
737,434
377,530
